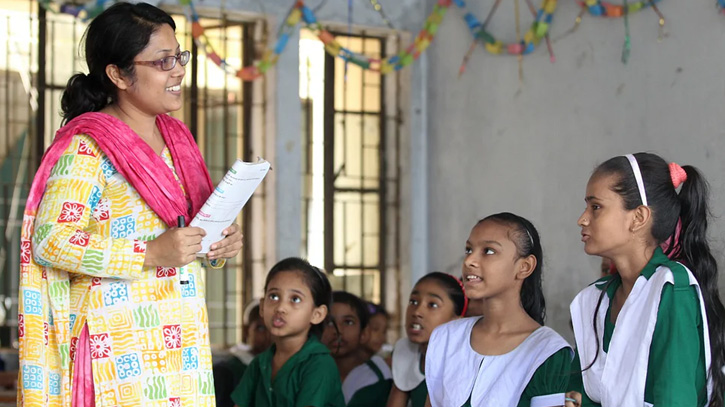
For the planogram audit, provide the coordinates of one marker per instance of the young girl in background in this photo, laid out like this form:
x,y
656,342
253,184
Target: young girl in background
x,y
297,370
506,357
365,382
652,334
228,372
437,298
377,333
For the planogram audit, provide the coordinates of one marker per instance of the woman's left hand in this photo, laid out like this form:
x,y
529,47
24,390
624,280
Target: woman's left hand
x,y
229,246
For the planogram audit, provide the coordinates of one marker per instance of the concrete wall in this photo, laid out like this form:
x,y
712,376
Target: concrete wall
x,y
498,145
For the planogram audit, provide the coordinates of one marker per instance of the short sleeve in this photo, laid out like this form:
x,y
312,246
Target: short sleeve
x,y
552,377
676,373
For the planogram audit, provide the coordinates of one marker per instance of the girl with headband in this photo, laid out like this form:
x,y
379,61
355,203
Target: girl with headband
x,y
652,334
437,298
507,357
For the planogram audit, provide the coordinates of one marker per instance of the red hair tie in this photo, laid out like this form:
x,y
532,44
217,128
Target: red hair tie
x,y
465,299
677,174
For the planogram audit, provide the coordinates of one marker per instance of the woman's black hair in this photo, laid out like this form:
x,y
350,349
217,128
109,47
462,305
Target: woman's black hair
x,y
316,281
690,207
357,304
453,288
114,37
526,238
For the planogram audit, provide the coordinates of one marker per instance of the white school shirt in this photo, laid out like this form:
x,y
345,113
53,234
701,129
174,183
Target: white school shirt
x,y
455,371
618,377
406,365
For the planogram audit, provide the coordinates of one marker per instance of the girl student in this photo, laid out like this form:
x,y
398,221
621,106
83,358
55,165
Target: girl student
x,y
365,382
436,298
652,334
228,372
506,357
377,334
297,370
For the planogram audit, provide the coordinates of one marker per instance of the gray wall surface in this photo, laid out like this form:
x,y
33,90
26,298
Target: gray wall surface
x,y
496,145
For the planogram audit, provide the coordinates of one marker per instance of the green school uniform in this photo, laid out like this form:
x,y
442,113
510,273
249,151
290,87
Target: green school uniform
x,y
551,377
676,375
308,379
375,394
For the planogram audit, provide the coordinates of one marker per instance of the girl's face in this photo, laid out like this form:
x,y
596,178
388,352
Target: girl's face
x,y
492,264
429,306
605,223
377,328
350,332
288,308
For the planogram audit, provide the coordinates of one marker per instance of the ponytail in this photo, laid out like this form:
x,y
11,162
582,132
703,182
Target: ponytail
x,y
83,94
694,252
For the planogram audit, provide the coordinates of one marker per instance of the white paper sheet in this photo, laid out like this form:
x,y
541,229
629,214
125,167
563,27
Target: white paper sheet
x,y
228,199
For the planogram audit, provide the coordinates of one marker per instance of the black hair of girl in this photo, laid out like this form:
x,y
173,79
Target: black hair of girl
x,y
690,206
452,286
316,281
251,314
375,309
357,304
114,37
526,238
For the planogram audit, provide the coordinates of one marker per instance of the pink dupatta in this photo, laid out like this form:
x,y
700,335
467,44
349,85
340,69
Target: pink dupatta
x,y
138,163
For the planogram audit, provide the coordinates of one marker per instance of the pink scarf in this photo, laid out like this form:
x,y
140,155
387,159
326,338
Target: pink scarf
x,y
138,163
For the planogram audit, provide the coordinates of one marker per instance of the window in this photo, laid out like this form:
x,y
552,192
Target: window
x,y
351,168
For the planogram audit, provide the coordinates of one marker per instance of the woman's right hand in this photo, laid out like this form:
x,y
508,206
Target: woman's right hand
x,y
176,247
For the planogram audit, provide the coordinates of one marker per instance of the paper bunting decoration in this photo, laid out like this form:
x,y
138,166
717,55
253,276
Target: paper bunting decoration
x,y
598,8
300,13
85,12
539,29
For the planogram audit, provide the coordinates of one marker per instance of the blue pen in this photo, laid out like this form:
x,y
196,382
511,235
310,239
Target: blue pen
x,y
576,403
183,278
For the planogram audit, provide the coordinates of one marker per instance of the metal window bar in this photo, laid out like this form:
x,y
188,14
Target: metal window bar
x,y
362,195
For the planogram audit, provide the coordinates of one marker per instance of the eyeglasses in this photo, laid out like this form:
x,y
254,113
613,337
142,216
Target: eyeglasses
x,y
169,62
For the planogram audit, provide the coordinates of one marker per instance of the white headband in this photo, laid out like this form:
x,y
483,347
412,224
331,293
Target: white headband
x,y
638,177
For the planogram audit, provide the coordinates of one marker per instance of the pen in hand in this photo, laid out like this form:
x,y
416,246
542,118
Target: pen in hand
x,y
183,278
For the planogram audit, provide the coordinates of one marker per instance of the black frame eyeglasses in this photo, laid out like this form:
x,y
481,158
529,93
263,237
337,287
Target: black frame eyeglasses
x,y
168,63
